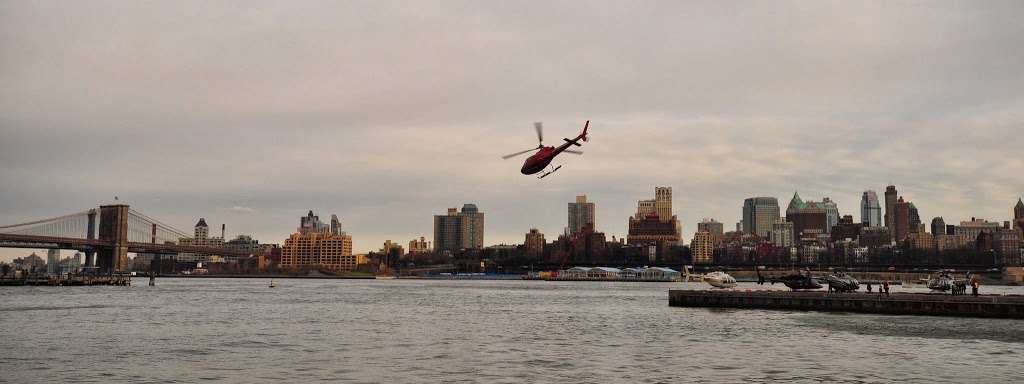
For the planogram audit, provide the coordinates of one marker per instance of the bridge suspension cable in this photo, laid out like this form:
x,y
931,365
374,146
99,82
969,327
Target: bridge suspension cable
x,y
75,225
141,230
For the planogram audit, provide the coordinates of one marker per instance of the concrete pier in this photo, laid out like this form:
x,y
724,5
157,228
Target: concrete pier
x,y
69,280
1005,306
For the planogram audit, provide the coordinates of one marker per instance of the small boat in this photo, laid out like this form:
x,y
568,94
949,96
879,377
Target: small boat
x,y
273,284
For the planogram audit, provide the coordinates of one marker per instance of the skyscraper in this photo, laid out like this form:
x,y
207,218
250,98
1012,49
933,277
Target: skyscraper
x,y
581,213
534,243
311,223
1018,215
448,231
759,213
901,219
459,230
915,217
938,226
53,261
890,206
472,227
663,202
808,217
831,214
660,207
870,210
335,225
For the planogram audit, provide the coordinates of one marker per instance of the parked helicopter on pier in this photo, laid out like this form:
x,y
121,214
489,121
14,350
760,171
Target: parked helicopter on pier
x,y
841,282
717,279
794,281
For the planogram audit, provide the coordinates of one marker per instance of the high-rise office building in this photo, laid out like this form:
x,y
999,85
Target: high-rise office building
x,y
890,206
915,217
661,208
831,214
808,217
311,223
1018,215
472,227
938,226
660,205
759,213
459,230
534,243
335,225
901,219
448,231
53,261
663,203
870,210
702,247
581,213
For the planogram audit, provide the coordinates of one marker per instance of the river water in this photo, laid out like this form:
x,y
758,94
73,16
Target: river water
x,y
395,331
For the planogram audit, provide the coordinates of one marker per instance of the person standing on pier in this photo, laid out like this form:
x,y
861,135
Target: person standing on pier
x,y
869,287
974,287
886,286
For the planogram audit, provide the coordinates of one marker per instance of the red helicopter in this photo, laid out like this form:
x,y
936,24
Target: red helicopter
x,y
542,159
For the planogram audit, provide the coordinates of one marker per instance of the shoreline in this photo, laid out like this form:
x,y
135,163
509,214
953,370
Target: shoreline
x,y
208,276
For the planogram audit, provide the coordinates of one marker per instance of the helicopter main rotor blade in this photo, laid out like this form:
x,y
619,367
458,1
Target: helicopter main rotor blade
x,y
540,132
573,152
506,157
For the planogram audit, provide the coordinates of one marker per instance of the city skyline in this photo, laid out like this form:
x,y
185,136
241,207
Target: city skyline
x,y
252,127
8,254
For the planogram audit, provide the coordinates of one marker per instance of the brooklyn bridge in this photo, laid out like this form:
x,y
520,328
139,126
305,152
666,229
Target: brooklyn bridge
x,y
105,235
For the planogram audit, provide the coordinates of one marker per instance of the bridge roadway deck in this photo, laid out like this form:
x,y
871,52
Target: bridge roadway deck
x,y
23,241
1004,306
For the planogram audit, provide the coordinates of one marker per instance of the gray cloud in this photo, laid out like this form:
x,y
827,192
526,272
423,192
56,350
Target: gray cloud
x,y
389,112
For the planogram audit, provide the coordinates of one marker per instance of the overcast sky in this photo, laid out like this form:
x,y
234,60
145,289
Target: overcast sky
x,y
252,113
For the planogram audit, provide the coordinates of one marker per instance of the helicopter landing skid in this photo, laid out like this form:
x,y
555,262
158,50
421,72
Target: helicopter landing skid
x,y
549,172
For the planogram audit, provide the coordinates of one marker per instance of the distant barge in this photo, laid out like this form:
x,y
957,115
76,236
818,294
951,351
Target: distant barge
x,y
1001,306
